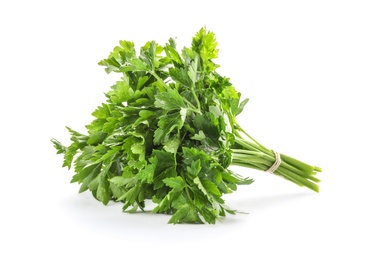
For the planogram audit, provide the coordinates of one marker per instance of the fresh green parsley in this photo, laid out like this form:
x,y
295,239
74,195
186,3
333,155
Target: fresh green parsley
x,y
168,133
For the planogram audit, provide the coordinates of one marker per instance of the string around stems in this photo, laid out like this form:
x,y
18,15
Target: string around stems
x,y
276,164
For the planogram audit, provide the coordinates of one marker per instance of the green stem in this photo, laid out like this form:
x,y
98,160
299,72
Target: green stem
x,y
162,82
195,96
249,165
192,107
260,146
186,186
251,154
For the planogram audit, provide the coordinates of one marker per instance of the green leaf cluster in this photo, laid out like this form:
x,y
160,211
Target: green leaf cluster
x,y
168,133
164,133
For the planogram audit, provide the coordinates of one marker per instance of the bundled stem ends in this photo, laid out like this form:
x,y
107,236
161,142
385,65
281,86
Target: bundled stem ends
x,y
252,154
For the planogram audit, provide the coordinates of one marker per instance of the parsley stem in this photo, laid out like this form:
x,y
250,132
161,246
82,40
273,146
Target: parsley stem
x,y
195,96
251,154
263,148
186,186
162,82
192,107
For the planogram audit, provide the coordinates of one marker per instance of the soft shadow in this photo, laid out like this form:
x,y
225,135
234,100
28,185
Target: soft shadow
x,y
265,202
91,215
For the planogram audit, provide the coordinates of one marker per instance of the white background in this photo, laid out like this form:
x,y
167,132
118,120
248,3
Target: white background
x,y
316,74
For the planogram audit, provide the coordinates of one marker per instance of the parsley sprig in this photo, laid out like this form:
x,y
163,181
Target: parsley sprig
x,y
168,133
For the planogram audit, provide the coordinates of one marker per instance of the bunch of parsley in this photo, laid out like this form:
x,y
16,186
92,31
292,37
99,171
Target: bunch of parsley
x,y
168,133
